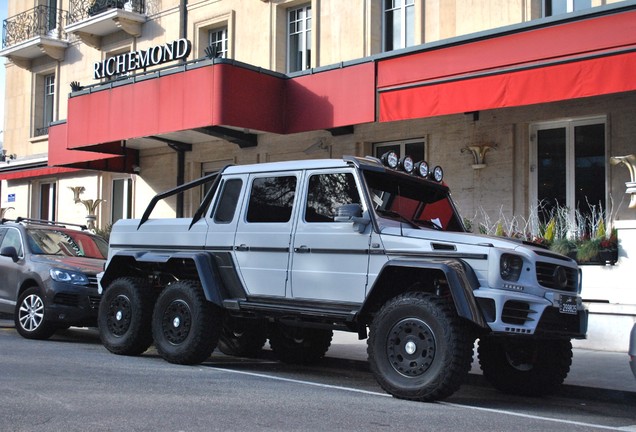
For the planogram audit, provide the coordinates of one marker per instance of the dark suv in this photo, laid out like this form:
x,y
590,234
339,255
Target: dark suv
x,y
48,274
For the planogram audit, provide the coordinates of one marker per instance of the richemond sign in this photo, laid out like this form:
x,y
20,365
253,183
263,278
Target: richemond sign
x,y
141,59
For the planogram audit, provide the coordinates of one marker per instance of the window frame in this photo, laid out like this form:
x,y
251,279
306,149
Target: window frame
x,y
223,42
304,34
51,210
402,144
404,33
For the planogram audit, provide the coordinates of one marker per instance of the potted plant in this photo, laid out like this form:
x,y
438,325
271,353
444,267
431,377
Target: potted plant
x,y
608,248
587,250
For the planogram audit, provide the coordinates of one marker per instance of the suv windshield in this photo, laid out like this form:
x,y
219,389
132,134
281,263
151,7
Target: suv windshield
x,y
418,202
66,243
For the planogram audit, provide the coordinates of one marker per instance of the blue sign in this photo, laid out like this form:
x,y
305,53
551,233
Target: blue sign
x,y
11,197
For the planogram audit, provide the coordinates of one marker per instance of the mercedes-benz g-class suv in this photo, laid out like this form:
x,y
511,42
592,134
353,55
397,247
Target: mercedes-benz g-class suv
x,y
291,251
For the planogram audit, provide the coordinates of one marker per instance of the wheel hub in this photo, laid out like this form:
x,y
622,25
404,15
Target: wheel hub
x,y
120,315
411,347
177,320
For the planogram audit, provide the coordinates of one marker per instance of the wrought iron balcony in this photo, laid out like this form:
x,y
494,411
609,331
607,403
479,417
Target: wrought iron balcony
x,y
82,9
37,22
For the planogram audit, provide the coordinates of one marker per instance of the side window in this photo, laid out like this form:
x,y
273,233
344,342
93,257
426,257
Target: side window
x,y
226,207
12,238
271,199
326,193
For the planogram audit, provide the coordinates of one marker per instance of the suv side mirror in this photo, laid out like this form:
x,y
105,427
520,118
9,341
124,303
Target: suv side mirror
x,y
353,213
9,251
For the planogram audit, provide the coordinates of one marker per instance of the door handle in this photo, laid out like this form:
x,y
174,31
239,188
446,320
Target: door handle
x,y
242,248
302,249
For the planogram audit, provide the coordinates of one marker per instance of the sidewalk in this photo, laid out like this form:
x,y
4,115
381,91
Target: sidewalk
x,y
593,374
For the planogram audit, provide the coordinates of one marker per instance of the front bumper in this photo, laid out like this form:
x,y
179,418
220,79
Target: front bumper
x,y
74,305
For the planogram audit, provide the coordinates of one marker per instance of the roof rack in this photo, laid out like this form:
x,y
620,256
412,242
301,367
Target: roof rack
x,y
20,219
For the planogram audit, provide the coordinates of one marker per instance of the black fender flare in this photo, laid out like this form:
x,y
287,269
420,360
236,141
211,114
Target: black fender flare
x,y
461,279
120,265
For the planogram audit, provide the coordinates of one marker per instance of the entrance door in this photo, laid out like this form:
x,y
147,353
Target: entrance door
x,y
568,166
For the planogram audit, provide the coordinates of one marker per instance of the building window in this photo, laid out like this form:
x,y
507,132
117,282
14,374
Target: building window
x,y
51,14
558,7
217,42
568,167
299,39
44,103
414,148
121,207
47,201
398,24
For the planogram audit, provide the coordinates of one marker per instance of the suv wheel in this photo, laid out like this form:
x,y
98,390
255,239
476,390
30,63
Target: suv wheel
x,y
185,326
531,368
30,316
298,345
418,348
124,316
242,337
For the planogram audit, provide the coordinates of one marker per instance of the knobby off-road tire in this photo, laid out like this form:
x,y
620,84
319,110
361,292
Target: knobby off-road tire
x,y
418,347
297,345
185,326
527,367
124,319
242,337
30,317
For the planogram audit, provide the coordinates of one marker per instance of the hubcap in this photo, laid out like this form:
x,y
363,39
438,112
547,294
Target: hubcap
x,y
411,347
176,323
31,312
119,315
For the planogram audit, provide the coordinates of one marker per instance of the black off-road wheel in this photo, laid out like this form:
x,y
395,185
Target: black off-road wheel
x,y
242,337
528,367
124,319
298,345
30,316
418,347
185,326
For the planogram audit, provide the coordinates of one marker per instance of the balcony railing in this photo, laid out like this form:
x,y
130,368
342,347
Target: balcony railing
x,y
82,9
39,21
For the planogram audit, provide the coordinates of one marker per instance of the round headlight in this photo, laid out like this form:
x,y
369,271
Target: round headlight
x,y
510,267
438,173
421,169
406,164
390,159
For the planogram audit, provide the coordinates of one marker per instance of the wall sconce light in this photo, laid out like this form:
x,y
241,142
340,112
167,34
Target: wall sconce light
x,y
479,154
4,157
630,162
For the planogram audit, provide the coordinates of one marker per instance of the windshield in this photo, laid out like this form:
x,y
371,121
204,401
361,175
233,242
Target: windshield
x,y
66,243
412,200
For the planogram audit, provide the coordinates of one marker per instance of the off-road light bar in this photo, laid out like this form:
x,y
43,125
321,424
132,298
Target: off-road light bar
x,y
421,168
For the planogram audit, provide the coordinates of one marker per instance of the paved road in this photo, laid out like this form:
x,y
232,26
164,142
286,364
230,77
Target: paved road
x,y
71,383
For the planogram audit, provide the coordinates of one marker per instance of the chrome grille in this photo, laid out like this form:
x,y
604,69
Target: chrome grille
x,y
547,276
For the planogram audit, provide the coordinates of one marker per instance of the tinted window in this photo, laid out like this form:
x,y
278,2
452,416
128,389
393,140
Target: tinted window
x,y
271,199
326,193
227,202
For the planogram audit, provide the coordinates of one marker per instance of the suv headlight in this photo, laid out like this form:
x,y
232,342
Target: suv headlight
x,y
68,276
510,267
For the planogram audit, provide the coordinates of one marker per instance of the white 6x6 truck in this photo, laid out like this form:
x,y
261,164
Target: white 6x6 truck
x,y
292,251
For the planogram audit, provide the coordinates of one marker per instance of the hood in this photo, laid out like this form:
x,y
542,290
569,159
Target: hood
x,y
458,238
90,266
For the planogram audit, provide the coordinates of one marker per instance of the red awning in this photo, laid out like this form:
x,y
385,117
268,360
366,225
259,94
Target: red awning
x,y
34,172
599,76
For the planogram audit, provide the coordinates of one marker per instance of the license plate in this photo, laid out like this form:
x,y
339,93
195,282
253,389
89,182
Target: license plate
x,y
567,305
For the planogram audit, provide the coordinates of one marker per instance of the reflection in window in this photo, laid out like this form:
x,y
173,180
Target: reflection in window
x,y
12,239
66,243
271,199
227,203
326,193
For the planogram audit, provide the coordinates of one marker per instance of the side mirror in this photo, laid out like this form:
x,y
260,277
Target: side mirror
x,y
353,213
10,252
